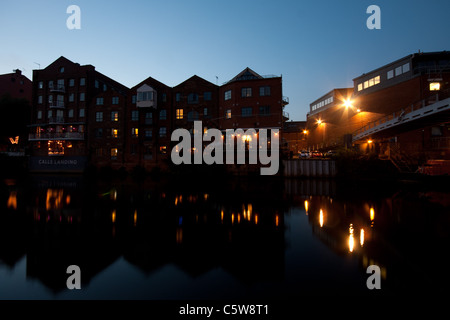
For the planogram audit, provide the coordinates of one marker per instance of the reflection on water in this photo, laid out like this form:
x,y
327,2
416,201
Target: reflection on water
x,y
284,240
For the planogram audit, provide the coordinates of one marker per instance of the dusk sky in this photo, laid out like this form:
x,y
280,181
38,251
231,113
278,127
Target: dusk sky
x,y
315,45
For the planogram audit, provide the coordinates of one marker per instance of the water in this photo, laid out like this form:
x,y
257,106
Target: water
x,y
264,239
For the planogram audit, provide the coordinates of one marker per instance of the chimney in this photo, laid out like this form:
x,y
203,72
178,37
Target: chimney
x,y
18,72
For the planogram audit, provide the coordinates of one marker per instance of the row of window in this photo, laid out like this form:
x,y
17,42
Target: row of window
x,y
322,103
148,134
60,99
60,83
248,92
248,112
369,83
398,71
193,98
114,152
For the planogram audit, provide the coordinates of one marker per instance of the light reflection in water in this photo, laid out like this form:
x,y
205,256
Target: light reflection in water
x,y
12,200
351,240
321,218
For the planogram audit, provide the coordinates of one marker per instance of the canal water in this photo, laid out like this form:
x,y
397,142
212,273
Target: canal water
x,y
234,239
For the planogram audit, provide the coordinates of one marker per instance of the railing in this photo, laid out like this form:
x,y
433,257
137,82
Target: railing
x,y
285,100
57,104
56,136
57,120
286,115
399,115
58,88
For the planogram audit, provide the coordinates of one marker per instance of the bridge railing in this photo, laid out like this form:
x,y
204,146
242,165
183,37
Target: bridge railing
x,y
400,113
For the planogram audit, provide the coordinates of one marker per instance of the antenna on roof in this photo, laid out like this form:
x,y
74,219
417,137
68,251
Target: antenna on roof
x,y
38,65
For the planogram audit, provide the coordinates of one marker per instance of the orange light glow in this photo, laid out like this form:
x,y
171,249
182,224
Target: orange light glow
x,y
321,218
12,200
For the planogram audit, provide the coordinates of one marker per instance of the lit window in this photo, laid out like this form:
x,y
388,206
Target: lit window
x,y
163,149
435,86
114,153
371,82
377,80
179,114
366,84
228,114
115,133
115,116
134,132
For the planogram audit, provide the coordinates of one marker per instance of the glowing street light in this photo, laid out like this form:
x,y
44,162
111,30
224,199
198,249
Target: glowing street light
x,y
348,103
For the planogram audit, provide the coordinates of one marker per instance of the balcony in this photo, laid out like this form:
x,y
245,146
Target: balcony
x,y
56,105
285,116
56,136
285,101
56,120
58,88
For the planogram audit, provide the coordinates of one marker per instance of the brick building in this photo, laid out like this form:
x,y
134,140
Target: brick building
x,y
417,79
80,116
148,124
15,100
252,101
60,117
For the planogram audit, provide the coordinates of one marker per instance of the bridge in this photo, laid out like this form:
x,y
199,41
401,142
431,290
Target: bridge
x,y
426,112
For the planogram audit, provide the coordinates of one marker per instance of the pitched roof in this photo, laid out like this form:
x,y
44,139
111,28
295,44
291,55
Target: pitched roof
x,y
246,74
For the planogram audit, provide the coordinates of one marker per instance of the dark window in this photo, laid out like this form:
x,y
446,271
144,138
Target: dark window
x,y
207,96
247,112
264,110
193,98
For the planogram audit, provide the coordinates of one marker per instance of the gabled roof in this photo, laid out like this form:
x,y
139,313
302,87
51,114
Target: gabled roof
x,y
151,81
246,74
195,78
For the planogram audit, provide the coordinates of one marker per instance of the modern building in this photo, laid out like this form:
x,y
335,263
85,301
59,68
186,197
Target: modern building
x,y
398,88
328,119
389,93
63,93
